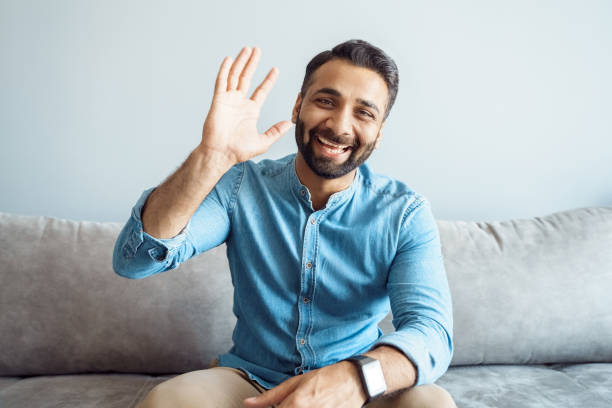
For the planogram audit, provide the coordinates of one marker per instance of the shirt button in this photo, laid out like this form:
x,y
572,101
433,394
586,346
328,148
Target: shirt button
x,y
313,221
302,192
305,300
309,265
302,342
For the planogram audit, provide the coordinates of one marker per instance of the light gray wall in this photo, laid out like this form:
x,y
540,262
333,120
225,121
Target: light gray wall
x,y
504,108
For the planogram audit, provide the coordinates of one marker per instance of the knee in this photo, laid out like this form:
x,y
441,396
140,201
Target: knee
x,y
426,396
157,397
166,394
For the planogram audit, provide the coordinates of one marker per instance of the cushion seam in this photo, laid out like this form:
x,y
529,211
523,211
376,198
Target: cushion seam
x,y
140,393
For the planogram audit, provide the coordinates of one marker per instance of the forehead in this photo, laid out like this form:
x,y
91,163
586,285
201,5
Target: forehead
x,y
351,81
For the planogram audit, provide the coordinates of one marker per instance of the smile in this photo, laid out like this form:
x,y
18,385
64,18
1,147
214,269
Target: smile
x,y
332,148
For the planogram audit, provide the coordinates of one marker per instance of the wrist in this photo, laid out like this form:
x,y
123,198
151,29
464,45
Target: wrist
x,y
214,160
371,376
354,378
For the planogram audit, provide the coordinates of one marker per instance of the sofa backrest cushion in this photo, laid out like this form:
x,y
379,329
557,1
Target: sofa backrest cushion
x,y
64,310
533,290
524,291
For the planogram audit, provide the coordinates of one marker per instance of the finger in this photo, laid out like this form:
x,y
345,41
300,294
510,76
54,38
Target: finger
x,y
264,88
247,72
221,83
273,396
277,130
241,59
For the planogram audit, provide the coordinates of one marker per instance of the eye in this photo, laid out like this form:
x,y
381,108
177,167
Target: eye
x,y
366,113
324,101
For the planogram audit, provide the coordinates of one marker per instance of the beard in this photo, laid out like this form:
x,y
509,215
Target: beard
x,y
324,166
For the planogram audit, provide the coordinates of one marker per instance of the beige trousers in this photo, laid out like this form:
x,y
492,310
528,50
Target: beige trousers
x,y
225,387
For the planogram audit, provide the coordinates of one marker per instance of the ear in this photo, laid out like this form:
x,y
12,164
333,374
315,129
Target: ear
x,y
296,109
379,136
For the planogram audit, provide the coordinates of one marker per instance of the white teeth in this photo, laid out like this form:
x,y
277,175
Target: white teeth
x,y
331,146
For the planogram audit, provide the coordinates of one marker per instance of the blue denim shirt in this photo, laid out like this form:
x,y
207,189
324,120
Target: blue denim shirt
x,y
312,286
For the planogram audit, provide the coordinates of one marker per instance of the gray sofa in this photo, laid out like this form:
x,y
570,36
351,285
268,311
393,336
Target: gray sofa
x,y
532,312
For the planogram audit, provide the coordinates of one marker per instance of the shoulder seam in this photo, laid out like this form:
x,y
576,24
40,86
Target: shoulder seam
x,y
369,185
418,202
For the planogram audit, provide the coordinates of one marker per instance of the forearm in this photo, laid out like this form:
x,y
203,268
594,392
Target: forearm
x,y
171,205
398,370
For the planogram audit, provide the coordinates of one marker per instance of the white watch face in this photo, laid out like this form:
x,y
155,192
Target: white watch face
x,y
374,377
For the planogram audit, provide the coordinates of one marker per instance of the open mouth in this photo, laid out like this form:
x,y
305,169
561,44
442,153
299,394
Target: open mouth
x,y
332,148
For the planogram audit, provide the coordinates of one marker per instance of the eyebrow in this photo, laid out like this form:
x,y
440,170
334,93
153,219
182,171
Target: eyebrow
x,y
332,91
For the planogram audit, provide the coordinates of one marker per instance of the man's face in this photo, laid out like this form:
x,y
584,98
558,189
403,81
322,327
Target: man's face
x,y
339,120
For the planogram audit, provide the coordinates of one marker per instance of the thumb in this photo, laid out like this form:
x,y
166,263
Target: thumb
x,y
270,397
277,130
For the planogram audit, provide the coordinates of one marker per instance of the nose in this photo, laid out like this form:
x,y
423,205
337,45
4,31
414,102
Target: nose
x,y
340,122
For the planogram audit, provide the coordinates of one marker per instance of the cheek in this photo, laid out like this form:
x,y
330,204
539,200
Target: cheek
x,y
312,117
311,121
368,135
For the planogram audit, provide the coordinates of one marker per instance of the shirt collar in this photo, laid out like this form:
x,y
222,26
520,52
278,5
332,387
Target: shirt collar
x,y
302,193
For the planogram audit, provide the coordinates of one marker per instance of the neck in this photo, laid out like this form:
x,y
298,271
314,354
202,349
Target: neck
x,y
320,188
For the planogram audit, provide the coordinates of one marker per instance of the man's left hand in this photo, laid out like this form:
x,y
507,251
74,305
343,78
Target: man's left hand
x,y
335,386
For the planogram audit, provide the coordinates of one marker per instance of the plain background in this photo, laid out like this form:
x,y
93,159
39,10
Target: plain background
x,y
504,108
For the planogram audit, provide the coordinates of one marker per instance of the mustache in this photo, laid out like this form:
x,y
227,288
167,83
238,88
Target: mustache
x,y
330,135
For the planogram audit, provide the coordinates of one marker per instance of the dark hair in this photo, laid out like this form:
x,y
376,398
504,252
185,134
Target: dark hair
x,y
362,54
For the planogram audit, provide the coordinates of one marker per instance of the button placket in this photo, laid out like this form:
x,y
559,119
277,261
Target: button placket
x,y
306,289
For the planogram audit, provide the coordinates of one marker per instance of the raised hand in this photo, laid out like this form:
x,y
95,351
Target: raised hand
x,y
231,125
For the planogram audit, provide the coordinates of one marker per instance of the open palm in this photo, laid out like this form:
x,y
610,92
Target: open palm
x,y
231,125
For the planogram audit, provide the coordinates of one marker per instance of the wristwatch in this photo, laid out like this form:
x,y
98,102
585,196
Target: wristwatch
x,y
372,378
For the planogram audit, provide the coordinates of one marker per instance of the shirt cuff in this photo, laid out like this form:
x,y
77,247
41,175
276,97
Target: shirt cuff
x,y
411,344
157,248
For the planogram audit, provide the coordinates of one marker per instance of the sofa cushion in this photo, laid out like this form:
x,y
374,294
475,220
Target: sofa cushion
x,y
510,386
531,291
475,387
7,381
83,391
596,377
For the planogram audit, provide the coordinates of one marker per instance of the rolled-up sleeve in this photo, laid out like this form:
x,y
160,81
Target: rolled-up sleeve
x,y
420,297
137,254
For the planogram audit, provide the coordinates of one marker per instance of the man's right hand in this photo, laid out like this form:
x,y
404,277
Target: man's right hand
x,y
229,136
230,129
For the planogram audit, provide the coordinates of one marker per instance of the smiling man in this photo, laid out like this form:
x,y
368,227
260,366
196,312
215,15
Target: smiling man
x,y
320,247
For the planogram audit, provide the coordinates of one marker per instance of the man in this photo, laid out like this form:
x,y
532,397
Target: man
x,y
318,245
